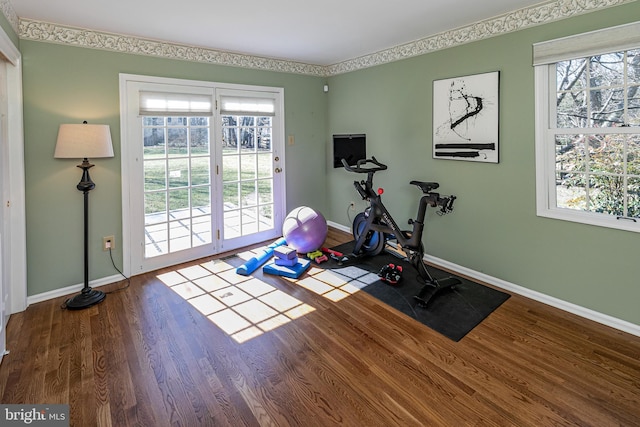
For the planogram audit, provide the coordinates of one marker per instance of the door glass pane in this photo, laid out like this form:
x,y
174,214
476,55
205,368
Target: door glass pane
x,y
249,221
231,224
177,136
154,175
178,172
264,165
179,235
230,198
230,168
200,173
156,240
177,184
199,136
249,194
201,231
154,140
200,201
265,192
155,207
179,204
248,167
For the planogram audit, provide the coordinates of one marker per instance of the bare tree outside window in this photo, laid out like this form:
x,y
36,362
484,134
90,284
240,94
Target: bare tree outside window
x,y
597,151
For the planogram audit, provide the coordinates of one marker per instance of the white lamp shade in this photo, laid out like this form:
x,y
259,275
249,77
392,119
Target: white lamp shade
x,y
79,141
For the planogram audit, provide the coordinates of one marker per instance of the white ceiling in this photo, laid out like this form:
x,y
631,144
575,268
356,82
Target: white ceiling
x,y
321,32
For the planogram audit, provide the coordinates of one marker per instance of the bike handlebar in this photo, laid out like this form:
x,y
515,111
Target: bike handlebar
x,y
358,168
446,204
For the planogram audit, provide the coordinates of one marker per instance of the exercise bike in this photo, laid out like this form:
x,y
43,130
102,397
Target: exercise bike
x,y
375,227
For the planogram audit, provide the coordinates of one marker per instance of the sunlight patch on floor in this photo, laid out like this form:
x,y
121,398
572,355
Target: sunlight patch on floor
x,y
245,307
336,284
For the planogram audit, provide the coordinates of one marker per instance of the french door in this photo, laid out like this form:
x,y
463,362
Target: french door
x,y
177,184
204,166
250,181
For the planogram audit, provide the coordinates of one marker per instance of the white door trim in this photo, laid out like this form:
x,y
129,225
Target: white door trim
x,y
127,108
15,242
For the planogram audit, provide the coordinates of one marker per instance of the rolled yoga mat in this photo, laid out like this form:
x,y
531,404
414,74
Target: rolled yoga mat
x,y
252,264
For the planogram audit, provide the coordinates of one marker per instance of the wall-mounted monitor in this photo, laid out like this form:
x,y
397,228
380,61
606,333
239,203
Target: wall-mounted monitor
x,y
351,147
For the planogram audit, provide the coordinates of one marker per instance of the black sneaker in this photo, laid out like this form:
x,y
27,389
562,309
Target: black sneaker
x,y
384,271
395,275
391,273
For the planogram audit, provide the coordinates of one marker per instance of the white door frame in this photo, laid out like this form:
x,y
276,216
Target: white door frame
x,y
128,160
15,212
133,179
13,276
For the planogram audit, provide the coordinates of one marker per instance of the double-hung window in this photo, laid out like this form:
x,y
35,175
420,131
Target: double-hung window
x,y
588,127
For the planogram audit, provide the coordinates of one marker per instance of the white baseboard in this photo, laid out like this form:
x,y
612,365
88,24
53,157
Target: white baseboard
x,y
339,226
601,318
33,299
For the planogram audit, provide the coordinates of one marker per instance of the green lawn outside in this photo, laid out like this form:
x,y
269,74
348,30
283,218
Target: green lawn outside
x,y
256,175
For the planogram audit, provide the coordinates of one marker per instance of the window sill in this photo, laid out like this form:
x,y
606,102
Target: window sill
x,y
599,220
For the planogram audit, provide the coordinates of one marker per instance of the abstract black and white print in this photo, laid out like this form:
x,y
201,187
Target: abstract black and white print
x,y
465,118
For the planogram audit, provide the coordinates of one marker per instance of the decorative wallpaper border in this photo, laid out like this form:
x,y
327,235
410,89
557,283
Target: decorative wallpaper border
x,y
513,21
54,33
509,22
10,14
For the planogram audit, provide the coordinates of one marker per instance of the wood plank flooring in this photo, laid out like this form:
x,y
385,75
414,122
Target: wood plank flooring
x,y
147,356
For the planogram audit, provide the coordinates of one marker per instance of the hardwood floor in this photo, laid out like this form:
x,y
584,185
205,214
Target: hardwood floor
x,y
148,357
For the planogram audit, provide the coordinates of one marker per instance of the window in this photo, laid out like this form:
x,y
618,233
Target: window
x,y
588,128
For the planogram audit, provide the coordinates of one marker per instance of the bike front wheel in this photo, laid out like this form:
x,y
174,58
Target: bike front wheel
x,y
374,241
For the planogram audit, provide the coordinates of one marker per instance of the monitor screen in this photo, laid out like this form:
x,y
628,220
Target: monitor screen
x,y
350,147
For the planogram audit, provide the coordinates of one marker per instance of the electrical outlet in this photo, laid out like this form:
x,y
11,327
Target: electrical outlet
x,y
352,206
108,242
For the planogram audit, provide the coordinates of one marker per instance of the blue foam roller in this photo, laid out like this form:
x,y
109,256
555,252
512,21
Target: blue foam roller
x,y
252,265
292,272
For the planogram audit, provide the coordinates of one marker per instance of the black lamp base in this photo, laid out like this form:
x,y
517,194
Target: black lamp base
x,y
85,299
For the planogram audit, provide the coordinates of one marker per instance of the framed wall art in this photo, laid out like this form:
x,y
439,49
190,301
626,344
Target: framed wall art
x,y
465,118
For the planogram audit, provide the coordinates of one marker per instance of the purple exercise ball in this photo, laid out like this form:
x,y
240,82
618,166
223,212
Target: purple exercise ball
x,y
304,229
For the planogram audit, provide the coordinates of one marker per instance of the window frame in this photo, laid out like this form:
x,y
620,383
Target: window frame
x,y
546,56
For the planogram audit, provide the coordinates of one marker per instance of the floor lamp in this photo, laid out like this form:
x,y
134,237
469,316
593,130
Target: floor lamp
x,y
84,141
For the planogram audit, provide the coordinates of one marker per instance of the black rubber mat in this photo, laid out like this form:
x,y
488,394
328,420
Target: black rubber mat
x,y
452,312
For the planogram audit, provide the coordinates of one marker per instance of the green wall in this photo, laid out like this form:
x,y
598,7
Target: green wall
x,y
8,29
494,228
64,84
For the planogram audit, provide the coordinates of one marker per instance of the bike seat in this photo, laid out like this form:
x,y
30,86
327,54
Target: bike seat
x,y
426,187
